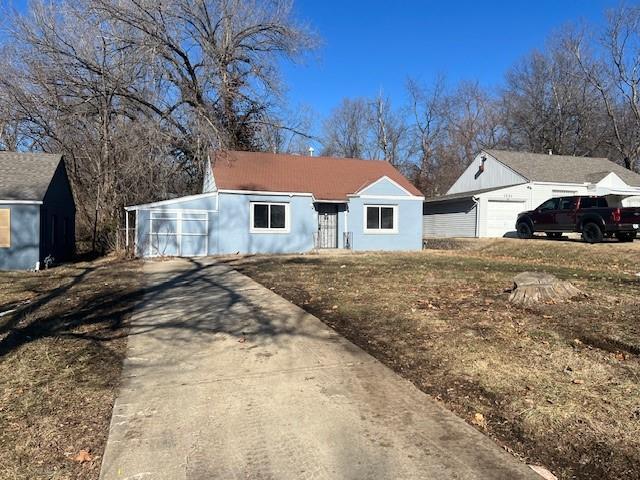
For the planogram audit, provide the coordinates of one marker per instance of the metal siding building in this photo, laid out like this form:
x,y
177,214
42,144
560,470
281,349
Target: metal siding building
x,y
450,219
502,184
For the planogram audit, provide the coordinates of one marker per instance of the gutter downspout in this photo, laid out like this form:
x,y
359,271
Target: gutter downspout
x,y
476,200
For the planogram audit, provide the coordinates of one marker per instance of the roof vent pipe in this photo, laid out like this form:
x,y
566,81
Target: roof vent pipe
x,y
311,150
550,152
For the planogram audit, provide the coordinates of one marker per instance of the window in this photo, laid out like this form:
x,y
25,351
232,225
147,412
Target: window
x,y
380,219
551,204
567,203
593,202
269,217
5,228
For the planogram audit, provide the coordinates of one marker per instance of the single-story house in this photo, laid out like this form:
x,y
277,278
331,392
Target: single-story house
x,y
37,211
274,203
486,199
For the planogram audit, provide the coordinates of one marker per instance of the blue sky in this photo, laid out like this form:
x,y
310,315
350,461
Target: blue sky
x,y
374,44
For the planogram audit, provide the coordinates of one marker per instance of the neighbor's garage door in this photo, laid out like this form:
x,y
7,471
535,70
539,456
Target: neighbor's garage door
x,y
502,216
178,233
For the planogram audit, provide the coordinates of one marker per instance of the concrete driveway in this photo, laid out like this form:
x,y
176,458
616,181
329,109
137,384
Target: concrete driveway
x,y
225,379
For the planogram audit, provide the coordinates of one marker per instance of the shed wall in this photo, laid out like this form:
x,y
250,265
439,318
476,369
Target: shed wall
x,y
24,252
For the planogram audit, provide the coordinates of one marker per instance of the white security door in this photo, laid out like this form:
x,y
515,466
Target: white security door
x,y
502,216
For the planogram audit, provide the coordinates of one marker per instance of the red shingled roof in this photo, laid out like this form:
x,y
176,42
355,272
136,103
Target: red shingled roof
x,y
326,178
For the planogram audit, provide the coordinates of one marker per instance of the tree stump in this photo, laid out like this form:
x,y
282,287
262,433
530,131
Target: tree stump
x,y
531,288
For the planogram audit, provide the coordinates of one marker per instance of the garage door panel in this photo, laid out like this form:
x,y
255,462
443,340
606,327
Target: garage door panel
x,y
502,216
193,245
179,233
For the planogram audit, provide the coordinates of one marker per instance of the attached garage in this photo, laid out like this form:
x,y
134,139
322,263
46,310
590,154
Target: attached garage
x,y
178,233
502,216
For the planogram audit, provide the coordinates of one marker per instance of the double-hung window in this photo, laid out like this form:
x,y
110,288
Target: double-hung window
x,y
380,218
270,217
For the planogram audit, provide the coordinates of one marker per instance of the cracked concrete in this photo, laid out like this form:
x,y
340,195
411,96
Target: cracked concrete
x,y
225,379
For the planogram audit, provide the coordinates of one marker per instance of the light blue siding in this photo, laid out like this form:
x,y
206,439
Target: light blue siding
x,y
24,252
408,237
235,234
383,187
230,232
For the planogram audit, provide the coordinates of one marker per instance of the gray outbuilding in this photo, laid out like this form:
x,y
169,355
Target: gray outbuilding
x,y
37,211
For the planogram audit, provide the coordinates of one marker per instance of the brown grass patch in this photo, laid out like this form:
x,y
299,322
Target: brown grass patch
x,y
60,360
556,384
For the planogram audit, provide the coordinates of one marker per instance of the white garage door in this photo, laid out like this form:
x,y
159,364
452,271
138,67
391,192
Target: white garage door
x,y
178,233
502,216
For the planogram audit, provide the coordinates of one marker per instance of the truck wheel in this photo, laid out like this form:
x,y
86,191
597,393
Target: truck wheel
x,y
591,233
554,235
524,230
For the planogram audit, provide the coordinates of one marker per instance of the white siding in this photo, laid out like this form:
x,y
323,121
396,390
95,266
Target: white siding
x,y
494,175
450,219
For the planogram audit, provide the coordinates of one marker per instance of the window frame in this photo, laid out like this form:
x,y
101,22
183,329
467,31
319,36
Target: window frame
x,y
380,230
269,229
8,227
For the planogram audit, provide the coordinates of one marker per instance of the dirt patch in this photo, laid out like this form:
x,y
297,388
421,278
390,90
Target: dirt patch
x,y
61,355
555,384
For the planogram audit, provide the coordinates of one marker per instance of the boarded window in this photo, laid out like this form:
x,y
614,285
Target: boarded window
x,y
5,228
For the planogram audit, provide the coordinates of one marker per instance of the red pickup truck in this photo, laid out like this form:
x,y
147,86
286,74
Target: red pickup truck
x,y
590,216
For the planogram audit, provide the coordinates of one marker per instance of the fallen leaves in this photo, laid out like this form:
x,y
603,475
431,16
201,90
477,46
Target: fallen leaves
x,y
83,456
479,420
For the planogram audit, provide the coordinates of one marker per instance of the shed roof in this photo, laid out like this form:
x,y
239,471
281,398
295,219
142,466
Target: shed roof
x,y
26,176
537,167
327,178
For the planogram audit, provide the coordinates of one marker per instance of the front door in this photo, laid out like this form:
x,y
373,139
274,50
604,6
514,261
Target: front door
x,y
327,225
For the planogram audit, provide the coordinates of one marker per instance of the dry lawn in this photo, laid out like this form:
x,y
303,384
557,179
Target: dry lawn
x,y
61,354
556,385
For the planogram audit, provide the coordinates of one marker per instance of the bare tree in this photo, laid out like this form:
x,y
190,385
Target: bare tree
x,y
612,66
389,132
136,92
346,131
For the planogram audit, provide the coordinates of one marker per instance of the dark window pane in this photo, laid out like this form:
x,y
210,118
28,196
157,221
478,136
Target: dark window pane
x,y
567,203
277,216
386,219
550,204
373,217
602,202
261,216
587,202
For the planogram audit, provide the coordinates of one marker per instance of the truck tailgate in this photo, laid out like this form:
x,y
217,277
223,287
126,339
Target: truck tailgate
x,y
630,215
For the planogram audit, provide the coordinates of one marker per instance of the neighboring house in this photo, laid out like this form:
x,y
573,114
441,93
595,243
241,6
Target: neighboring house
x,y
487,197
271,203
37,211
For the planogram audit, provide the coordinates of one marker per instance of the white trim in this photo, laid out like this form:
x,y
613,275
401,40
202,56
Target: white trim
x,y
260,192
387,197
384,177
502,199
329,201
568,184
379,231
21,202
287,218
172,201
